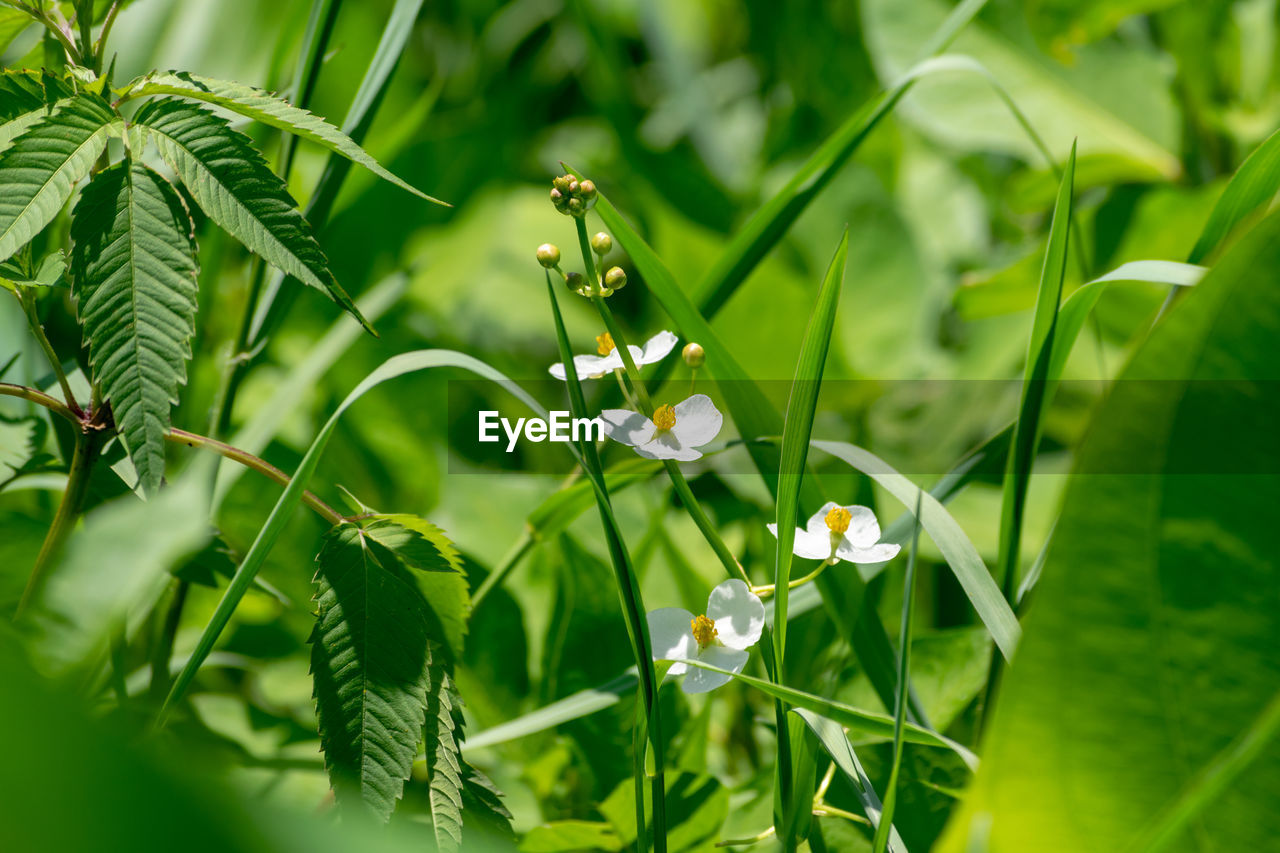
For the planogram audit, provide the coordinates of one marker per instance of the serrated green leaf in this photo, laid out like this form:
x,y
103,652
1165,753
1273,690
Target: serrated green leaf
x,y
369,660
25,98
135,276
443,581
40,169
230,181
262,106
444,762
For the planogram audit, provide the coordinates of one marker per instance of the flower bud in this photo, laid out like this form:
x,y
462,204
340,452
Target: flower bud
x,y
615,278
562,184
601,244
548,255
576,207
694,356
574,281
557,198
587,189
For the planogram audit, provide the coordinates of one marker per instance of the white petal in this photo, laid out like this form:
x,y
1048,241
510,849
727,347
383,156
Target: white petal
x,y
701,680
697,421
586,366
773,528
812,546
671,634
657,347
817,522
863,530
627,427
665,445
738,613
871,554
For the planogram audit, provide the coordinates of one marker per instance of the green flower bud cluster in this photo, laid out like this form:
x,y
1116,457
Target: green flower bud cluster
x,y
571,196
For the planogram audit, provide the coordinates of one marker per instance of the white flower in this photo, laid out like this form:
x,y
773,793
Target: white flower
x,y
672,434
609,359
836,533
732,624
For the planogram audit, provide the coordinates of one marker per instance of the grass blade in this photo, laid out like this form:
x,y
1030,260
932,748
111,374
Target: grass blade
x,y
306,71
833,739
960,554
866,723
767,225
1026,429
632,603
1254,184
881,840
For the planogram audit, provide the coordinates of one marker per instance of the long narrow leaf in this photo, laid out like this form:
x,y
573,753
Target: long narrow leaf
x,y
959,552
270,110
866,723
833,739
1253,184
1026,429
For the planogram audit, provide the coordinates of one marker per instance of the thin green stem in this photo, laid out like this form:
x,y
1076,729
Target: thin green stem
x,y
831,811
770,589
162,653
517,552
26,298
100,47
709,532
82,459
68,44
190,439
40,398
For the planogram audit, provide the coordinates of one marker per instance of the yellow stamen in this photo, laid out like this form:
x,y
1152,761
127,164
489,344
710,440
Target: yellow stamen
x,y
604,344
664,417
704,631
838,520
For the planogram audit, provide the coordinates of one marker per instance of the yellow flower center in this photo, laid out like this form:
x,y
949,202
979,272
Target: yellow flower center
x,y
704,631
838,520
604,344
664,417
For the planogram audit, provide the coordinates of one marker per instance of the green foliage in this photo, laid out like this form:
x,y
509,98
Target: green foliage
x,y
40,168
370,656
1155,606
135,276
230,181
268,109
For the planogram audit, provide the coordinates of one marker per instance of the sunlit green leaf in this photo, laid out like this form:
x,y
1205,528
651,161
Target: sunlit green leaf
x,y
135,287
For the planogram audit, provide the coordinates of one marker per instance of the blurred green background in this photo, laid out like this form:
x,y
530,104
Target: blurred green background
x,y
687,114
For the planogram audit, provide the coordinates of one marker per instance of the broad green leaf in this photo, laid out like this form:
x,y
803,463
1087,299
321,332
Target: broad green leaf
x,y
1117,103
865,723
960,554
233,186
798,430
834,740
1027,428
1154,637
135,288
393,367
444,761
270,110
40,168
370,657
1255,183
565,836
12,24
25,98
